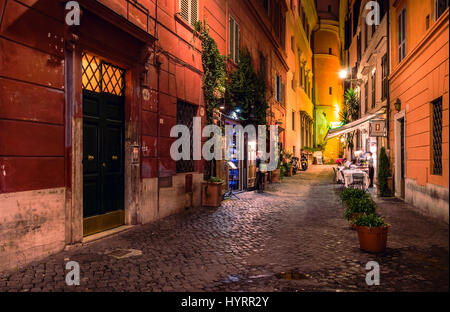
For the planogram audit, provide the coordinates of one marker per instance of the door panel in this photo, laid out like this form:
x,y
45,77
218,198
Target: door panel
x,y
103,161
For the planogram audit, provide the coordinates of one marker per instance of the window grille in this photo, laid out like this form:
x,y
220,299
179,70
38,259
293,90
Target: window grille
x,y
102,77
185,114
437,137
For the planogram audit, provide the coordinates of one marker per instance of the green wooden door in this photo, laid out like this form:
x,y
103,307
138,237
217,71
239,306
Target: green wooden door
x,y
103,161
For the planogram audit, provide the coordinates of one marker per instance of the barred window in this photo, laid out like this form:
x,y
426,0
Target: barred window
x,y
437,137
185,114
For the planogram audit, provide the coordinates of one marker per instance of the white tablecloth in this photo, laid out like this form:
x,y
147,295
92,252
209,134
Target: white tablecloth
x,y
348,177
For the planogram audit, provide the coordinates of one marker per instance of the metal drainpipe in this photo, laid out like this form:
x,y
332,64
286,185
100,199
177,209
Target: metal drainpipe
x,y
388,109
158,70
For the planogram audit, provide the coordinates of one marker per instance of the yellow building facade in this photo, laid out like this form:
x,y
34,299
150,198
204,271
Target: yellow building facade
x,y
301,19
327,59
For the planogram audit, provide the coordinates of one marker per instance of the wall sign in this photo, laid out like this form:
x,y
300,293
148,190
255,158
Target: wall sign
x,y
135,154
378,128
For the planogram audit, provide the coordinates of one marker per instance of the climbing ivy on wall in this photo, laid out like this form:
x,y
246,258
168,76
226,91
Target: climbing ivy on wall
x,y
214,71
245,89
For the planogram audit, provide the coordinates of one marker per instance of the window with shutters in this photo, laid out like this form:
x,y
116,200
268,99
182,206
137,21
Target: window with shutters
x,y
401,35
366,96
374,87
384,77
189,11
279,89
233,40
437,137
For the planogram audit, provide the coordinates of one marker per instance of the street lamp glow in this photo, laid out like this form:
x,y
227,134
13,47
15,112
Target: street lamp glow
x,y
343,74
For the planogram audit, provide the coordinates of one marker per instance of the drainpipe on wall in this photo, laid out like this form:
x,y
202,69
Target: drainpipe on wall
x,y
388,109
158,70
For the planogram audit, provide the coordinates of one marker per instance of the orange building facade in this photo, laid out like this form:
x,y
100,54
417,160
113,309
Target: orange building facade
x,y
419,104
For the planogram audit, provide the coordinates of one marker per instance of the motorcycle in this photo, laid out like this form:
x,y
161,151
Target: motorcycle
x,y
304,162
294,163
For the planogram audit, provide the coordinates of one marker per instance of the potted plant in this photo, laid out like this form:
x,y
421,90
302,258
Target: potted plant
x,y
288,169
212,192
384,173
357,206
275,178
349,193
372,232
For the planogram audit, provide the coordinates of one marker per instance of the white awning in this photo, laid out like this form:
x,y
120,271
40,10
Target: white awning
x,y
352,126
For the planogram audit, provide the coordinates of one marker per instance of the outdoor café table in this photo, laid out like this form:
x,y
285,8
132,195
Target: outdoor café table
x,y
348,177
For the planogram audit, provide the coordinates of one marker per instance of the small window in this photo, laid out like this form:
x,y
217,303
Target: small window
x,y
189,11
329,8
330,51
279,89
293,44
427,22
233,40
330,90
293,121
437,137
440,7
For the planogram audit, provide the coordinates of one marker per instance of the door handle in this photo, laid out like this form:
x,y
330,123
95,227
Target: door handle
x,y
90,157
114,157
104,165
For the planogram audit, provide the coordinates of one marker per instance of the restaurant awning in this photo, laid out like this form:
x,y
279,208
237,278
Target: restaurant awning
x,y
352,126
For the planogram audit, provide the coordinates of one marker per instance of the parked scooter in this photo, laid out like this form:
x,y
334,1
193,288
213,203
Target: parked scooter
x,y
304,162
294,163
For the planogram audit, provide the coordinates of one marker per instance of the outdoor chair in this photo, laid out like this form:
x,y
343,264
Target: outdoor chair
x,y
357,181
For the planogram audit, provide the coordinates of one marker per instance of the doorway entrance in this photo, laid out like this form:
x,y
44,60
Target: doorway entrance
x,y
402,157
103,145
400,154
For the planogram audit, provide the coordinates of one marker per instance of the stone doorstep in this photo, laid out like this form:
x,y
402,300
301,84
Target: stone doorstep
x,y
95,237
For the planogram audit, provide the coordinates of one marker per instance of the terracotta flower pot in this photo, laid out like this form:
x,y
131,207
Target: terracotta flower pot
x,y
211,194
276,176
374,239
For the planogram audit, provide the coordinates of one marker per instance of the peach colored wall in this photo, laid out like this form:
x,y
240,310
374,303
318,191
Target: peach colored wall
x,y
420,79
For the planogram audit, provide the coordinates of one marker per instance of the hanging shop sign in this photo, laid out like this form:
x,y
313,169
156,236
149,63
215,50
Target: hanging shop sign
x,y
378,128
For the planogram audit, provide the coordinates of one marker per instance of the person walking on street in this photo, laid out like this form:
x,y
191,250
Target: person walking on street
x,y
371,169
259,174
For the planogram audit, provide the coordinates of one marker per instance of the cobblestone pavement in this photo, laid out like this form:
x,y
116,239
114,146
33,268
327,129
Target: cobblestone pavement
x,y
294,227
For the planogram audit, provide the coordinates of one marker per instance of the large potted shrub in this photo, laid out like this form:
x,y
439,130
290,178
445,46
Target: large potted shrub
x,y
357,206
212,192
384,174
372,232
349,193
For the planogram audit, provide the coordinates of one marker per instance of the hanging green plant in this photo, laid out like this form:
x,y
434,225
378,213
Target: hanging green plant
x,y
214,71
246,90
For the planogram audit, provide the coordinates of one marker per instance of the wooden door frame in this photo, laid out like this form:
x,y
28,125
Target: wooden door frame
x,y
136,67
397,151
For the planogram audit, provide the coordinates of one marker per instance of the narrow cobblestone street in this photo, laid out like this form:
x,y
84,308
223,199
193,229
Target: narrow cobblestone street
x,y
294,227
